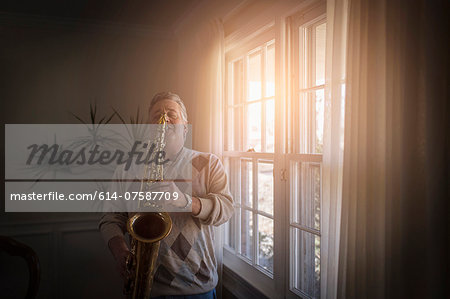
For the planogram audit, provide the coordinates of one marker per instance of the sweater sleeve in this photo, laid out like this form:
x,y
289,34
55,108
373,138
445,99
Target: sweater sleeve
x,y
217,205
113,224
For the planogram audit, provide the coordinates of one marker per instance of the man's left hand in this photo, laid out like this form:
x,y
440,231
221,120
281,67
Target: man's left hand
x,y
170,187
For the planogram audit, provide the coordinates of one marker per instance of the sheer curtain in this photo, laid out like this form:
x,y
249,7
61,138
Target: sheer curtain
x,y
200,78
394,227
337,18
200,84
200,81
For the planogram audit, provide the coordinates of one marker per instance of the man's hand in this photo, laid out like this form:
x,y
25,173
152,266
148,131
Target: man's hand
x,y
181,202
120,251
171,187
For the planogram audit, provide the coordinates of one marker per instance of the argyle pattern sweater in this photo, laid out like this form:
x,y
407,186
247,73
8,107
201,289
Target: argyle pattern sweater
x,y
186,262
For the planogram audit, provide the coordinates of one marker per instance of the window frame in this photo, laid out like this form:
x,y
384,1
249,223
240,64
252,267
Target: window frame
x,y
315,14
280,29
255,274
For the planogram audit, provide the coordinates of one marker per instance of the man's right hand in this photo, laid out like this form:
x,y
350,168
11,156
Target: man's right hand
x,y
120,251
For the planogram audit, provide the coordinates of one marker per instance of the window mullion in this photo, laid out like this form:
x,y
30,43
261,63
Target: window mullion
x,y
313,93
305,229
313,56
263,126
309,57
311,122
243,102
309,76
316,87
255,214
237,229
263,102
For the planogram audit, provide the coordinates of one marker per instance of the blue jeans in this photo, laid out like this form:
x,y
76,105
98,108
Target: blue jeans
x,y
208,295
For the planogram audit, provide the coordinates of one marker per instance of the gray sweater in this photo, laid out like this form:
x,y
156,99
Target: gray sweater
x,y
186,262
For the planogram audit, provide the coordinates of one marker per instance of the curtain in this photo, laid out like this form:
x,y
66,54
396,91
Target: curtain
x,y
394,233
337,18
201,68
200,82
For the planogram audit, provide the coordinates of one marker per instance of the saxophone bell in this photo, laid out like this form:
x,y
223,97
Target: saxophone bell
x,y
146,231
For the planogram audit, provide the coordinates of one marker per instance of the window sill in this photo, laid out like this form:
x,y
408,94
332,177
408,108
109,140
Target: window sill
x,y
238,287
251,275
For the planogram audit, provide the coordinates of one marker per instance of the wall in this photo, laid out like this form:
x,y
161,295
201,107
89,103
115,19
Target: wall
x,y
54,69
199,43
49,70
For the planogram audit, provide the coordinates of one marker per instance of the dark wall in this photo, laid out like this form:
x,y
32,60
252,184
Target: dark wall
x,y
51,69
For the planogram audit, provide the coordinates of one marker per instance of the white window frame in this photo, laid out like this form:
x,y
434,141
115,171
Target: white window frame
x,y
256,275
277,285
301,152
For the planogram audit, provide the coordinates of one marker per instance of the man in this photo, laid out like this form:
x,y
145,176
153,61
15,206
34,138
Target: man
x,y
186,264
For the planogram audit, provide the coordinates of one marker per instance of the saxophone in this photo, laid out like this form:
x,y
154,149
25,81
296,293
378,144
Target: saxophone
x,y
146,231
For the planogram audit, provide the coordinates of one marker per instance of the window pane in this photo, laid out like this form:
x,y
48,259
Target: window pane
x,y
270,71
265,241
232,167
247,233
253,127
237,125
238,79
319,115
254,77
306,262
310,123
316,193
247,183
304,123
306,194
303,54
265,187
270,125
320,33
231,132
229,231
294,176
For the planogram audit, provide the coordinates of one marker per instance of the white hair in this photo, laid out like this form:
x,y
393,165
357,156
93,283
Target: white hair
x,y
167,95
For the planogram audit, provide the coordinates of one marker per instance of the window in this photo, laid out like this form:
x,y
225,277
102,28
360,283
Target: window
x,y
251,101
305,158
249,154
272,134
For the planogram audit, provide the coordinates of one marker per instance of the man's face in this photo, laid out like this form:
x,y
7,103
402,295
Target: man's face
x,y
176,126
168,107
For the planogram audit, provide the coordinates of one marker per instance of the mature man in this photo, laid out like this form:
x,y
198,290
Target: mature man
x,y
186,264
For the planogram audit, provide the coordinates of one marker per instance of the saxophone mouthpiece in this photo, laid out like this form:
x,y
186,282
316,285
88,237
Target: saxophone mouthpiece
x,y
163,119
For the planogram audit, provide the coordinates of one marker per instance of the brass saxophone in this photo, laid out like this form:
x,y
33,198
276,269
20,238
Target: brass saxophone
x,y
146,231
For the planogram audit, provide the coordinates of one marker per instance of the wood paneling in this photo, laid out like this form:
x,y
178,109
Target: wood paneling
x,y
74,260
